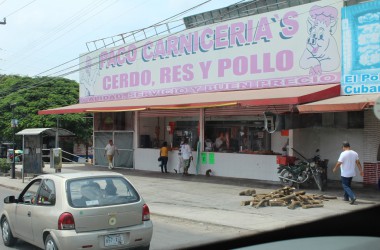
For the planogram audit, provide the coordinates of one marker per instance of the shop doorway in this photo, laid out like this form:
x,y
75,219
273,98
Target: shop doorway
x,y
123,141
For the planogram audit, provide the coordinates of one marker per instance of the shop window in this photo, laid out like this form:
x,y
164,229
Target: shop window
x,y
310,120
149,132
103,121
113,121
356,119
155,130
119,121
186,129
237,136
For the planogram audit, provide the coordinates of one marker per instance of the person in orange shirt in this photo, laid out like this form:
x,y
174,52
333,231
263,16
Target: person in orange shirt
x,y
164,156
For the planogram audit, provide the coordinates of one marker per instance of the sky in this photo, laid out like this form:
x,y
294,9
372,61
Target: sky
x,y
46,37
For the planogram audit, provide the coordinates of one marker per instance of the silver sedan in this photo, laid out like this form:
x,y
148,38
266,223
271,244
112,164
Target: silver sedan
x,y
88,210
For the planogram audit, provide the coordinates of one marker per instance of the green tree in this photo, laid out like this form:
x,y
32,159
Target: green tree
x,y
29,95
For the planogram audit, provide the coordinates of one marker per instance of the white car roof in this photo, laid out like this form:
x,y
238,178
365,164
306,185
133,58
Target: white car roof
x,y
75,175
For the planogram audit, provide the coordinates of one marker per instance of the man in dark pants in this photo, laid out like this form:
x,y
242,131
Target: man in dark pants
x,y
347,161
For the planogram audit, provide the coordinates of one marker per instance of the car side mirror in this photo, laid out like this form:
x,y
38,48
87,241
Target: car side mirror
x,y
10,199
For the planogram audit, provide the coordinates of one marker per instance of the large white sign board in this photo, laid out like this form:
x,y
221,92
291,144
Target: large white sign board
x,y
288,47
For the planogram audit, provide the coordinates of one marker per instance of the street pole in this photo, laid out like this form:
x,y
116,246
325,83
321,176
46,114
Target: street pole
x,y
57,134
13,123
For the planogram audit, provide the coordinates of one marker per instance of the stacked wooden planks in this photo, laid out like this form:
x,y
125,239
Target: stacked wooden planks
x,y
286,196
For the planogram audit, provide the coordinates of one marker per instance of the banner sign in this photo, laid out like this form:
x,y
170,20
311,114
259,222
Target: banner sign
x,y
289,47
361,49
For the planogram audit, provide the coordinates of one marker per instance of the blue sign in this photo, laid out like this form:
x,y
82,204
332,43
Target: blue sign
x,y
361,49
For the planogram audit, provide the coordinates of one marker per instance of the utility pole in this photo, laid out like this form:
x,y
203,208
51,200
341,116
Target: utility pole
x,y
4,22
14,125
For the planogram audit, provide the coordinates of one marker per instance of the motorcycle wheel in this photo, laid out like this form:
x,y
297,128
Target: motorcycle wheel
x,y
286,174
318,180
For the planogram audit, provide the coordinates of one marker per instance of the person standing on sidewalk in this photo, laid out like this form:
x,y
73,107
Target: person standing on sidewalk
x,y
110,151
164,154
347,161
180,159
186,154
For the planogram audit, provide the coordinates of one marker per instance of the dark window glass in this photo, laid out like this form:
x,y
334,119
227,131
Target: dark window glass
x,y
101,191
46,194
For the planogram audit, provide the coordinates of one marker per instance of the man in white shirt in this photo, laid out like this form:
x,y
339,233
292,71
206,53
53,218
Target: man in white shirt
x,y
110,150
186,154
220,142
180,159
347,161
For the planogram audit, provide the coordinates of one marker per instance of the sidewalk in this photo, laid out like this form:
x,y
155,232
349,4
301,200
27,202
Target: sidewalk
x,y
216,200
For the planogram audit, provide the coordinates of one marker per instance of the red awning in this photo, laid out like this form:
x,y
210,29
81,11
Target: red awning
x,y
340,104
276,96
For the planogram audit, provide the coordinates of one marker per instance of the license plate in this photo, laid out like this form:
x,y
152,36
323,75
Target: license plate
x,y
113,240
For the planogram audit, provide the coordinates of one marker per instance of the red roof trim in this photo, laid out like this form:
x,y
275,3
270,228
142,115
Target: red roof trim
x,y
322,108
326,93
312,97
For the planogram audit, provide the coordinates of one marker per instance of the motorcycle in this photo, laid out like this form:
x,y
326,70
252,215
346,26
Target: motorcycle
x,y
306,171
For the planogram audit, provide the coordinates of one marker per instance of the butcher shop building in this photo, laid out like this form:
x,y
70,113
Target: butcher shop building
x,y
243,84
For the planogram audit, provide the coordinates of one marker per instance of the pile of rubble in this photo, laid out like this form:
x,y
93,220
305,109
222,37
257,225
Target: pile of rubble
x,y
286,196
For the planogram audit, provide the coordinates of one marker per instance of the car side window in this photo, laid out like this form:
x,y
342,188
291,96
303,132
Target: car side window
x,y
46,194
29,196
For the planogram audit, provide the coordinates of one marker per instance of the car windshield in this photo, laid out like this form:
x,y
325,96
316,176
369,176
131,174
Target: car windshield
x,y
100,191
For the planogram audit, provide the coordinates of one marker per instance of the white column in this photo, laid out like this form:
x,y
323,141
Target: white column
x,y
202,128
136,132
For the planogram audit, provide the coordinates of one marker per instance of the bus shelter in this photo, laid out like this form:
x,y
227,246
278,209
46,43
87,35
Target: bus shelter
x,y
32,147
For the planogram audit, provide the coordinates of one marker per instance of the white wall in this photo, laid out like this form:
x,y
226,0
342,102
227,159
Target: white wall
x,y
329,142
259,167
278,142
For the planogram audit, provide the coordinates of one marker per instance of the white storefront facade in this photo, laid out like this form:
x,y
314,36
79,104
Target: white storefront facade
x,y
250,79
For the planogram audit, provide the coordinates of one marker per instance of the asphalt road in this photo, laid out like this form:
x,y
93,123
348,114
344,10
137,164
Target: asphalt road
x,y
191,210
168,232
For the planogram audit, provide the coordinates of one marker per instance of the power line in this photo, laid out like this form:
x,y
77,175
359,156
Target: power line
x,y
75,59
80,68
60,27
42,82
67,22
5,21
73,71
20,8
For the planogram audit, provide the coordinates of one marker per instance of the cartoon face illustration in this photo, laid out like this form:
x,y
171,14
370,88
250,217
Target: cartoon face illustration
x,y
321,53
88,77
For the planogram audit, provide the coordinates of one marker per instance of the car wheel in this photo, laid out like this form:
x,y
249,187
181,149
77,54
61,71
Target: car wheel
x,y
50,243
8,238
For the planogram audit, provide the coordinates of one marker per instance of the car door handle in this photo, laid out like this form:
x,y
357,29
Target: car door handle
x,y
29,214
